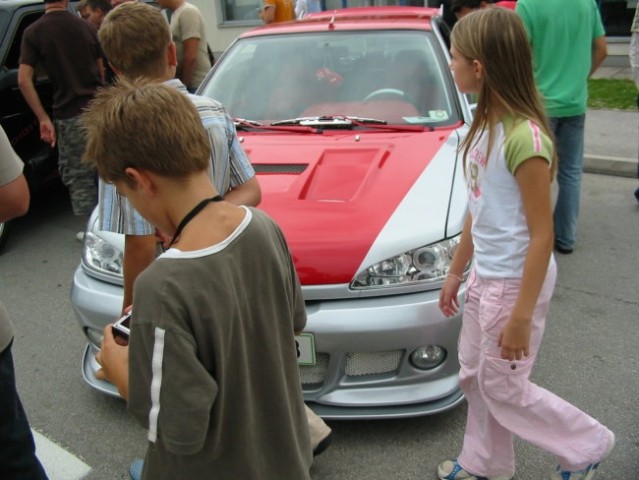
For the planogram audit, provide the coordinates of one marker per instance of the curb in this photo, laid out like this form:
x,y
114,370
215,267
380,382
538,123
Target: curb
x,y
606,165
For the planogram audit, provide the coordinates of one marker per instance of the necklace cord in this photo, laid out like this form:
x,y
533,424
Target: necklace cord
x,y
189,216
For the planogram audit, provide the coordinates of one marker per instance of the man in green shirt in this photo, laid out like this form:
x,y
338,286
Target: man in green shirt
x,y
569,44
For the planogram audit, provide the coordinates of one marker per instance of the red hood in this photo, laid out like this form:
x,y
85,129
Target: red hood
x,y
332,212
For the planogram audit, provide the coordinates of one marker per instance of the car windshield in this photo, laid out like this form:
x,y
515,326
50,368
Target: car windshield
x,y
393,77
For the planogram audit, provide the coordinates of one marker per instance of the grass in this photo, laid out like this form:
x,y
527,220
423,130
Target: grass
x,y
604,93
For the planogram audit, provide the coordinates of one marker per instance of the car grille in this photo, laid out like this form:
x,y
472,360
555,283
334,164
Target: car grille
x,y
358,364
313,375
372,363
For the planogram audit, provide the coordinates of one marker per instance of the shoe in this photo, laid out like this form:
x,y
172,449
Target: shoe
x,y
452,470
637,194
79,236
562,249
587,473
323,445
320,433
135,469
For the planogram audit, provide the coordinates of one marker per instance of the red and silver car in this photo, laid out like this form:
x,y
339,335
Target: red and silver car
x,y
352,122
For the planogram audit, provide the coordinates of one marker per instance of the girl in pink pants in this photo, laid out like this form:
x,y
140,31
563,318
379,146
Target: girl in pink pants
x,y
509,164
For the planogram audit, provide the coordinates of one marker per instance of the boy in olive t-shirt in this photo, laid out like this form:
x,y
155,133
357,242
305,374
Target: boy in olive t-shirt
x,y
211,366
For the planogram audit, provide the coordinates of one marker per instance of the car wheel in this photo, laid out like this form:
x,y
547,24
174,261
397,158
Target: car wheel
x,y
4,233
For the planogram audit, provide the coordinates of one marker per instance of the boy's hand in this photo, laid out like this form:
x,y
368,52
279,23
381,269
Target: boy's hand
x,y
515,339
125,310
114,360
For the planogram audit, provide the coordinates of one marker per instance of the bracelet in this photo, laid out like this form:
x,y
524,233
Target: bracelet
x,y
458,277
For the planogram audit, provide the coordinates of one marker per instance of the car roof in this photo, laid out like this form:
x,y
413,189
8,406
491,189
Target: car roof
x,y
356,18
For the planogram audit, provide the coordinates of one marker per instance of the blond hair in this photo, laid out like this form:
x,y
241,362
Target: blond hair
x,y
147,126
496,37
135,37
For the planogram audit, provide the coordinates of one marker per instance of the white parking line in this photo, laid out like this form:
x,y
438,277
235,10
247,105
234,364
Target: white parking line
x,y
57,462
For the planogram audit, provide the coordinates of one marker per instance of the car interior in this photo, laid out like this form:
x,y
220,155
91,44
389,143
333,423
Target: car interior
x,y
391,76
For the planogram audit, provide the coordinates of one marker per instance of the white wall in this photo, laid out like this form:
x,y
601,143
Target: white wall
x,y
219,37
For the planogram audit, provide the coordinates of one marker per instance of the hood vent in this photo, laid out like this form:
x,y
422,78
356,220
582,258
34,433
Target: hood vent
x,y
279,168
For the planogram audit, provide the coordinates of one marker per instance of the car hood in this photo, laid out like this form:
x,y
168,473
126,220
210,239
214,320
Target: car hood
x,y
347,200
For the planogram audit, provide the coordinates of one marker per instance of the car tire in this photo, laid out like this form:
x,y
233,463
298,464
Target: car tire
x,y
5,227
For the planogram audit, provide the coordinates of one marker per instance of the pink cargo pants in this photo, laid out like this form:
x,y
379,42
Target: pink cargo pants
x,y
502,401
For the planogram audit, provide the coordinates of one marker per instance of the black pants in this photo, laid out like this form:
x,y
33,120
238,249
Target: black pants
x,y
17,450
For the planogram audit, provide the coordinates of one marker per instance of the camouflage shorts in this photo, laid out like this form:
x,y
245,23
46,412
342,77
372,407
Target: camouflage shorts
x,y
80,179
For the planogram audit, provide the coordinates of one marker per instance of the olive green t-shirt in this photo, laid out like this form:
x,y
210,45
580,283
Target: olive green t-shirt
x,y
213,362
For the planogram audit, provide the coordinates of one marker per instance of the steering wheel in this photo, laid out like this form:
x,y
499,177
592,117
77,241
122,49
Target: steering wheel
x,y
387,91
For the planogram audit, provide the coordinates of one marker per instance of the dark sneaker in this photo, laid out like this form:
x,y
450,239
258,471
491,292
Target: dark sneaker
x,y
562,249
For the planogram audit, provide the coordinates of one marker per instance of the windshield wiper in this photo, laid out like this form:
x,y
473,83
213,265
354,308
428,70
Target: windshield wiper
x,y
246,125
330,120
348,121
244,122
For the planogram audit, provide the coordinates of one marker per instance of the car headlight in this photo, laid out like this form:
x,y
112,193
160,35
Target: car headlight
x,y
101,256
427,264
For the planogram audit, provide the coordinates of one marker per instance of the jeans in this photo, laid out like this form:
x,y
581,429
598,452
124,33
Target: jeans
x,y
569,138
502,401
17,450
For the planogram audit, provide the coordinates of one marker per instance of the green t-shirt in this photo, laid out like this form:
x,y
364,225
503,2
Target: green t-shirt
x,y
561,34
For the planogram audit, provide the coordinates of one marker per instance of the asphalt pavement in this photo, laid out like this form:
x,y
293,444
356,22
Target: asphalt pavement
x,y
612,136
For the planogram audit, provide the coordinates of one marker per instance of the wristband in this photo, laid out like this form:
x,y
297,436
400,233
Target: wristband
x,y
458,277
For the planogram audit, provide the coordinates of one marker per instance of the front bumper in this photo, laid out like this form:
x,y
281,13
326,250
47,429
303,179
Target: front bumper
x,y
363,347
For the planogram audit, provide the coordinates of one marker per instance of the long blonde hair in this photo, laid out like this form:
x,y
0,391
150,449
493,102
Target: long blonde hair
x,y
496,38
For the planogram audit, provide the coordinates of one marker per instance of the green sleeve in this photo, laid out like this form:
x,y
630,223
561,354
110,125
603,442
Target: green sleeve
x,y
525,141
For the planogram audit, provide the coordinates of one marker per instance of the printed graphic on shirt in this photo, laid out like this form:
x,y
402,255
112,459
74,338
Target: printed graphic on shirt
x,y
476,165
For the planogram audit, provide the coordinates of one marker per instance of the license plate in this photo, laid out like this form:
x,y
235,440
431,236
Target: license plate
x,y
305,344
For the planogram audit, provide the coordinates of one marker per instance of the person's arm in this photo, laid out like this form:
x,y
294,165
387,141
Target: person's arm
x,y
301,9
101,70
448,302
139,253
189,57
248,193
533,179
30,94
244,186
14,199
268,13
599,53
